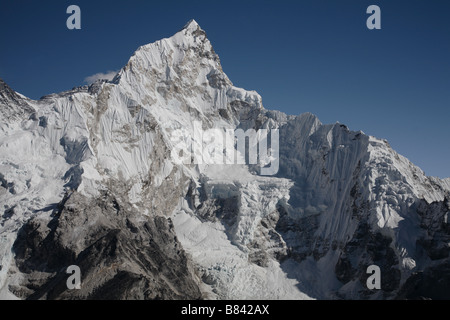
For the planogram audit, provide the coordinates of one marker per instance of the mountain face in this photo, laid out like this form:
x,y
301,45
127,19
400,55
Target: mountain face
x,y
89,178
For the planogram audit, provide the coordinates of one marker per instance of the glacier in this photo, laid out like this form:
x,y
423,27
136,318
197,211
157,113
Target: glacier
x,y
87,178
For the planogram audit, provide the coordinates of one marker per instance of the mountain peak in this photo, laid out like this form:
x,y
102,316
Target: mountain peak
x,y
192,25
4,86
339,202
170,57
6,93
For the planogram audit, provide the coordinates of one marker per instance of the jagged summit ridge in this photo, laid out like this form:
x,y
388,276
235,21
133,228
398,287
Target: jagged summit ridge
x,y
174,48
191,25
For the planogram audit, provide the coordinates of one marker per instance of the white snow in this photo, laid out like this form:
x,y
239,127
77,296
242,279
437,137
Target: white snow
x,y
227,267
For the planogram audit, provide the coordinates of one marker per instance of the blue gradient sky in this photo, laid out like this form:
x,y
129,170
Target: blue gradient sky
x,y
312,55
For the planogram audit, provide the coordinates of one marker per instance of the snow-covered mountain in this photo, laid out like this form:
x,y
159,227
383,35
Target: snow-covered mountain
x,y
88,178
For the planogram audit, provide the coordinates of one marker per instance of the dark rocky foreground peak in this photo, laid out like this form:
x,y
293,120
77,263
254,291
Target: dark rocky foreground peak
x,y
121,255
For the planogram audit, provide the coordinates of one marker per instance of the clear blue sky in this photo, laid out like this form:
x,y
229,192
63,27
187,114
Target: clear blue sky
x,y
312,55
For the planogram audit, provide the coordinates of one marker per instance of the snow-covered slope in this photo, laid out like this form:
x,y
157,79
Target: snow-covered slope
x,y
340,201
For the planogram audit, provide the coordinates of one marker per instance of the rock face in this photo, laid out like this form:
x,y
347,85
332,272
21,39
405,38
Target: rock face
x,y
14,106
88,178
432,280
120,255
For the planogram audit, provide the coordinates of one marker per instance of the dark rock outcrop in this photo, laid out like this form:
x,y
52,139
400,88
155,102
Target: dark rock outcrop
x,y
121,254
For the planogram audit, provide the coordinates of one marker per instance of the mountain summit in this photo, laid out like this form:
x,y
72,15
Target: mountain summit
x,y
191,25
88,178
